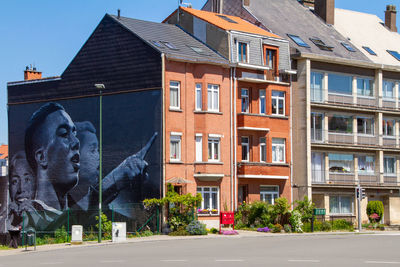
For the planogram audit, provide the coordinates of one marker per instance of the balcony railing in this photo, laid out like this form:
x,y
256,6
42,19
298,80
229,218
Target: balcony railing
x,y
349,178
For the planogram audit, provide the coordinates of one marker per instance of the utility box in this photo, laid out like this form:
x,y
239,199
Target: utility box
x,y
76,234
118,232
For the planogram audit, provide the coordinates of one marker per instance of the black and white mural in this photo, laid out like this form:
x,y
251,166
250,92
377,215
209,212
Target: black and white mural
x,y
54,159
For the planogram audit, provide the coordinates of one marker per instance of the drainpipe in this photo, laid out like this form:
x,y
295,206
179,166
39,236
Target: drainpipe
x,y
235,134
291,139
231,134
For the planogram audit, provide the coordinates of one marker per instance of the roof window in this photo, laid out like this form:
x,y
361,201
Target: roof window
x,y
198,50
395,54
298,40
227,19
369,50
348,47
156,43
169,45
320,44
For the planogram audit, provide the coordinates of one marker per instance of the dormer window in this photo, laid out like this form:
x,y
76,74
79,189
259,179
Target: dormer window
x,y
271,54
242,52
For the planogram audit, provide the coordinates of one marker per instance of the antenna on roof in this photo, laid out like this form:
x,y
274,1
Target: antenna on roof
x,y
119,13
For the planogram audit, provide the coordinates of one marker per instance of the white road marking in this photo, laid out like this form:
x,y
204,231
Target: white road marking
x,y
52,263
304,260
173,260
382,262
229,260
112,261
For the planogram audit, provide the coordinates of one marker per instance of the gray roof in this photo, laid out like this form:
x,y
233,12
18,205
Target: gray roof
x,y
284,17
182,42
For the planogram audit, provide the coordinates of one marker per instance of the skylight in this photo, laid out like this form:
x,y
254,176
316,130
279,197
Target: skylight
x,y
169,45
298,40
156,43
321,45
395,54
198,50
369,50
227,19
348,47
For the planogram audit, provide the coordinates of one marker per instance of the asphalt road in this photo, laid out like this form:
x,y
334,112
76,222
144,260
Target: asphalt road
x,y
296,250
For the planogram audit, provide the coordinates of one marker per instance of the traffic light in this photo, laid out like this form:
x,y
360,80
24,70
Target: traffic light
x,y
363,195
358,192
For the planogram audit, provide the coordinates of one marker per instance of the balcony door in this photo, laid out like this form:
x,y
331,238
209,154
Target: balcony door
x,y
316,86
318,167
317,126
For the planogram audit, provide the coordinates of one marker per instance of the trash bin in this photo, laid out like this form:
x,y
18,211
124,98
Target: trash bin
x,y
30,238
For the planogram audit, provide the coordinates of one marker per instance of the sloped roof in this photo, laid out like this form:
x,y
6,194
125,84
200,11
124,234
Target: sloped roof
x,y
290,17
185,44
238,24
365,29
3,151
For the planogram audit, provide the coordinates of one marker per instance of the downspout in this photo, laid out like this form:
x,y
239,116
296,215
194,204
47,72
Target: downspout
x,y
231,134
234,133
163,122
291,139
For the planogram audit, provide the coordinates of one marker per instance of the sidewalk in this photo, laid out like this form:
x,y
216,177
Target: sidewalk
x,y
157,238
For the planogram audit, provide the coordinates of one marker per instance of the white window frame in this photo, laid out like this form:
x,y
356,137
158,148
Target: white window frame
x,y
247,52
365,80
385,163
263,143
384,91
385,127
214,140
317,94
314,131
277,99
365,172
262,97
175,138
277,148
245,108
245,146
212,103
365,126
198,89
202,191
178,88
340,205
275,194
199,148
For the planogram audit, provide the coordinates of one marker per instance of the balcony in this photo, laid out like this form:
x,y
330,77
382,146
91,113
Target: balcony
x,y
349,178
261,170
256,122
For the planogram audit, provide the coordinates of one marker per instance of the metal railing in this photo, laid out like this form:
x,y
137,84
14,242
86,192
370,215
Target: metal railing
x,y
351,178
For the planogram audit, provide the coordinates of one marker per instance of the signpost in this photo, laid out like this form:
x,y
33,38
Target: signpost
x,y
316,212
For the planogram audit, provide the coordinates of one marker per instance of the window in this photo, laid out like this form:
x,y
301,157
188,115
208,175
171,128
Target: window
x,y
369,50
320,44
318,167
169,45
278,150
270,58
340,84
213,149
388,127
395,54
157,43
365,126
317,126
316,86
262,101
298,40
278,103
199,148
198,97
340,124
242,52
245,148
269,194
366,165
213,97
210,200
348,47
365,87
263,150
174,90
388,89
175,147
227,19
389,166
341,163
340,205
245,100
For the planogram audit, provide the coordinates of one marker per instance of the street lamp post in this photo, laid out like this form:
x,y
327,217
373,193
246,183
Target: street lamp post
x,y
101,87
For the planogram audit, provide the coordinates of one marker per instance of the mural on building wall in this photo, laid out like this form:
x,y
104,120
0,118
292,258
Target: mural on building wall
x,y
54,159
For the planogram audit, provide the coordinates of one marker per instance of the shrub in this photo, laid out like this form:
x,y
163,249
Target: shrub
x,y
196,228
305,207
61,235
106,225
280,210
375,207
214,230
181,231
258,214
295,221
326,226
277,228
264,229
146,233
287,228
342,225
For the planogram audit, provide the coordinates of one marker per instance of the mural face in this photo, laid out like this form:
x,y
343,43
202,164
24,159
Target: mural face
x,y
55,159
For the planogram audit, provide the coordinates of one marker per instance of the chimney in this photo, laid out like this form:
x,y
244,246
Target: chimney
x,y
119,13
307,3
217,6
390,17
32,74
325,9
246,2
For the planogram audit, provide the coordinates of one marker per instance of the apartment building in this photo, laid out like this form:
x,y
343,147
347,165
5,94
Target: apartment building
x,y
379,41
340,118
261,105
3,186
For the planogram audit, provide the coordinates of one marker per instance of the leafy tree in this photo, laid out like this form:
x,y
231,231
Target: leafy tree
x,y
106,225
375,207
305,207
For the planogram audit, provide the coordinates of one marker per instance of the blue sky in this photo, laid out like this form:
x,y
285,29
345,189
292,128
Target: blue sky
x,y
49,33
